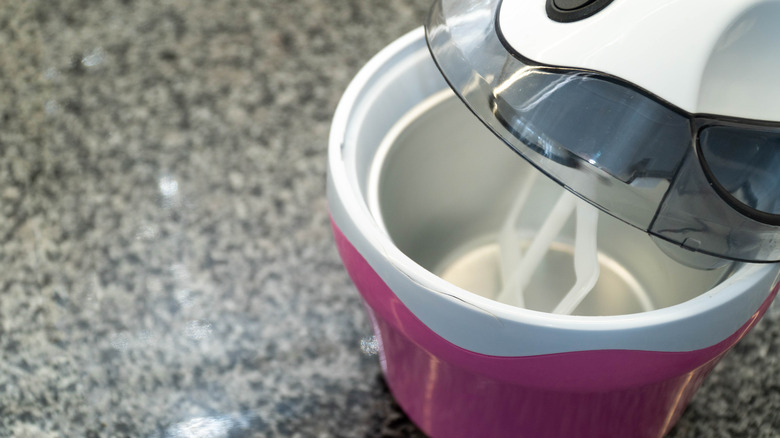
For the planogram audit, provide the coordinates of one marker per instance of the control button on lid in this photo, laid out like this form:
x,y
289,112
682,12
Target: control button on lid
x,y
569,5
567,11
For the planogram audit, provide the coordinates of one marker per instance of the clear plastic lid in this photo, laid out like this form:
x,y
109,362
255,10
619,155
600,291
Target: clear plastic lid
x,y
706,185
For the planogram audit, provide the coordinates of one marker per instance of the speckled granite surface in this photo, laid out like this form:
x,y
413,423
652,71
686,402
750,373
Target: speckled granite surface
x,y
167,263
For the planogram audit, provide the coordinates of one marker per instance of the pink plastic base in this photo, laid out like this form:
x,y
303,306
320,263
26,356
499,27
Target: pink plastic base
x,y
452,392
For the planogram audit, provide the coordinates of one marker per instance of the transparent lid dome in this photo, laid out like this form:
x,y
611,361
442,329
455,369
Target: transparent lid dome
x,y
707,185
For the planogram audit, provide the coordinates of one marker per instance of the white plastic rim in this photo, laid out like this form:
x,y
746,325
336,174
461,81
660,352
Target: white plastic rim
x,y
394,81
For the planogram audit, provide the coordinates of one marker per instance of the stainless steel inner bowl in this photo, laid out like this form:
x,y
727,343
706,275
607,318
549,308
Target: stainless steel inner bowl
x,y
441,185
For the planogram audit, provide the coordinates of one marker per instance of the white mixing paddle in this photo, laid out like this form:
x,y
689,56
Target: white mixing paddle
x,y
518,267
586,258
509,239
512,291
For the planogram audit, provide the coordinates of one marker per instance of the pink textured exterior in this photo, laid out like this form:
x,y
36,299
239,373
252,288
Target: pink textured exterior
x,y
452,392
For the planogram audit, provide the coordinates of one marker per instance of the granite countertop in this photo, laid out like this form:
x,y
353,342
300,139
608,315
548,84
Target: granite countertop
x,y
167,263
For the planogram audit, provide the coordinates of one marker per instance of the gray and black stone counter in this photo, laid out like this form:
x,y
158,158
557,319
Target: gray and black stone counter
x,y
167,263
